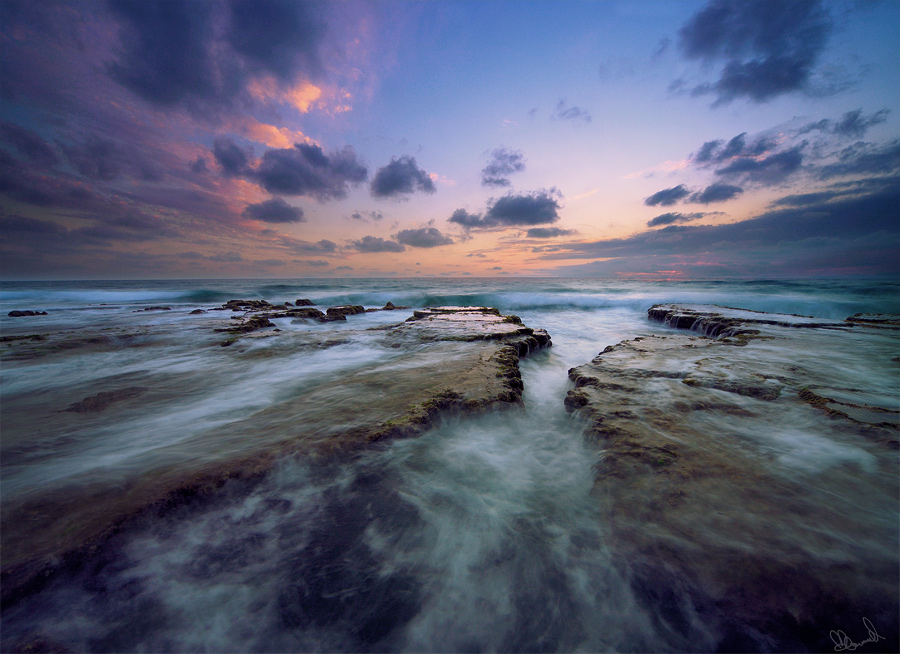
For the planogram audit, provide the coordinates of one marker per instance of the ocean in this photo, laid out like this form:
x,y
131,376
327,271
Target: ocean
x,y
482,534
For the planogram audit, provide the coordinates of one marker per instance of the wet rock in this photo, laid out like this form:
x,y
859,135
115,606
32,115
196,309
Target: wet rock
x,y
196,312
251,324
438,369
159,308
343,311
733,474
100,401
28,312
302,302
247,305
389,306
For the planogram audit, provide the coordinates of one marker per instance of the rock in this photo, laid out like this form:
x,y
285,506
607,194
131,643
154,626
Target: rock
x,y
153,309
249,325
389,306
340,313
730,474
246,305
197,312
288,304
451,360
304,303
100,401
27,312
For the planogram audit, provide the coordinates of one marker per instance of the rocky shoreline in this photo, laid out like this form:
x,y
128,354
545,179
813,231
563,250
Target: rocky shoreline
x,y
457,359
736,538
718,535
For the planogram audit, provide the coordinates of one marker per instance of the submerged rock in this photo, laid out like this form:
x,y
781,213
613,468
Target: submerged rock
x,y
28,312
450,360
343,311
764,533
102,400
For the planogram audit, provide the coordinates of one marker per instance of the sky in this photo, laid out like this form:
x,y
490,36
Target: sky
x,y
644,139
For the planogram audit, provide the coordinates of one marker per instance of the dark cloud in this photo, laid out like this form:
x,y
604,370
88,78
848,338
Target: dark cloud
x,y
305,247
15,225
564,112
716,193
848,226
377,244
504,162
316,263
718,151
772,169
176,53
365,215
548,232
280,37
676,217
423,237
767,47
536,208
306,170
29,144
165,54
401,176
855,125
864,159
227,257
199,166
667,197
466,219
232,158
275,210
95,158
852,124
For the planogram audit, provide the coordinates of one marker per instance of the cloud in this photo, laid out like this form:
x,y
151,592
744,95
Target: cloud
x,y
766,48
535,208
174,53
667,197
774,242
377,244
316,263
526,209
548,232
305,247
716,193
227,257
232,159
401,176
306,170
424,237
275,210
365,215
29,144
772,169
504,162
863,159
466,219
564,112
855,125
676,217
278,37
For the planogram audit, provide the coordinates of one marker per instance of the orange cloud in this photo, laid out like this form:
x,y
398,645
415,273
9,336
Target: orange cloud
x,y
274,137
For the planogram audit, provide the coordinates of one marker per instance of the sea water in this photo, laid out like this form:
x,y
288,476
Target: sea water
x,y
482,534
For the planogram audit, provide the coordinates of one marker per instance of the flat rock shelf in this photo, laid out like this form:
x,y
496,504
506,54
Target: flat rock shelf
x,y
450,359
763,534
